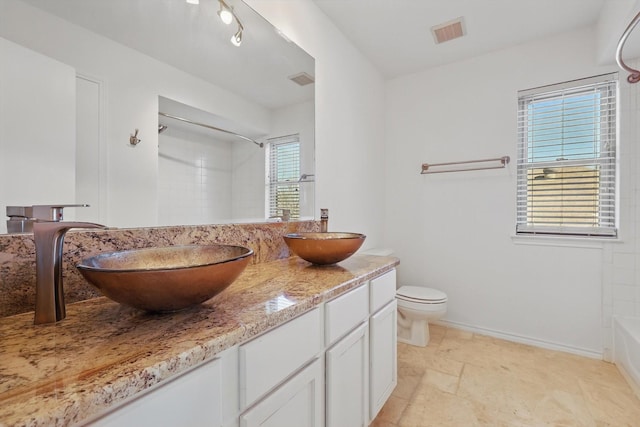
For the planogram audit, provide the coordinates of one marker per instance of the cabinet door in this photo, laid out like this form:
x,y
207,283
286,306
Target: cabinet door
x,y
347,380
193,399
383,356
297,403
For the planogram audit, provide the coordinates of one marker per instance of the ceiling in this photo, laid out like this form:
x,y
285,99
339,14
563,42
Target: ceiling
x,y
395,34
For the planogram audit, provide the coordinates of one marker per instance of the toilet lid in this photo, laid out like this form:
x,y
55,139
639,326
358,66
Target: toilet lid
x,y
420,293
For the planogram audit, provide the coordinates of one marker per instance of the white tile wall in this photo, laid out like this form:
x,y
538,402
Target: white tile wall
x,y
621,275
194,178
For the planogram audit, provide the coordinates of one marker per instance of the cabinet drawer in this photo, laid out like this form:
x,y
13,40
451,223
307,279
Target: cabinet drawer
x,y
193,399
345,313
269,359
297,403
383,290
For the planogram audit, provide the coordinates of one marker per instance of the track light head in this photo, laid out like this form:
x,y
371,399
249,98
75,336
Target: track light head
x,y
225,13
236,39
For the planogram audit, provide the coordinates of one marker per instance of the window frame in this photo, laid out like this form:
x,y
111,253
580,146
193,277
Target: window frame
x,y
604,163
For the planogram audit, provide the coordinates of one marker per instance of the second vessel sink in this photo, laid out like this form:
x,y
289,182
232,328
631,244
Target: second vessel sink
x,y
324,248
166,279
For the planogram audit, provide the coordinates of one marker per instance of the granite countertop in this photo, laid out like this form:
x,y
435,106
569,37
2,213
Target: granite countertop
x,y
104,352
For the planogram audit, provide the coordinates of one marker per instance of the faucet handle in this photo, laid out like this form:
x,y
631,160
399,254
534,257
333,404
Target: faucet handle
x,y
41,212
53,212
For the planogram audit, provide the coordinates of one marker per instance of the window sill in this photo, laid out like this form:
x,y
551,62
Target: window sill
x,y
563,241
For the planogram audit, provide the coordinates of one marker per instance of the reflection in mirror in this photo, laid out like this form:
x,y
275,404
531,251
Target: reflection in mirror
x,y
203,154
73,98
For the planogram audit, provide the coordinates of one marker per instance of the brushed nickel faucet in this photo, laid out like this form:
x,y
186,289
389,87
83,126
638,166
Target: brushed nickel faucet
x,y
22,218
49,238
324,220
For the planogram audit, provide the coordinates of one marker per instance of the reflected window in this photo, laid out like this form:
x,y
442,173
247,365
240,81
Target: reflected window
x,y
283,176
278,303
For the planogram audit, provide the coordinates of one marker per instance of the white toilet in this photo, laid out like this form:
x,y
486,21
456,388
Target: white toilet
x,y
417,306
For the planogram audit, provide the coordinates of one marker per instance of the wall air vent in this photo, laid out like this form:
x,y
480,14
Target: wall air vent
x,y
302,79
448,31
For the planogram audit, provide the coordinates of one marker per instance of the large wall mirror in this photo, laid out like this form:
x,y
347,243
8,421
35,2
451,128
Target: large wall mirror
x,y
150,113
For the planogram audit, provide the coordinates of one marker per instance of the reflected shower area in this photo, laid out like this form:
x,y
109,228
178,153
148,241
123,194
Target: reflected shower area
x,y
212,170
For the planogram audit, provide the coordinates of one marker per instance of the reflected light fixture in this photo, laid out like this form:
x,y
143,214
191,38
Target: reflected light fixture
x,y
236,39
225,13
227,16
193,1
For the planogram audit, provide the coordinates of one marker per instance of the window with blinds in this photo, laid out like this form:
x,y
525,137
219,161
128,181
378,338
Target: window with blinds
x,y
567,158
283,166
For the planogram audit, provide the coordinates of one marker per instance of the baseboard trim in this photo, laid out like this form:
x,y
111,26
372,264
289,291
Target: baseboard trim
x,y
522,339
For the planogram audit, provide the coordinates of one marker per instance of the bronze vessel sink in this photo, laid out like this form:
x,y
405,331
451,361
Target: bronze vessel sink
x,y
324,248
165,279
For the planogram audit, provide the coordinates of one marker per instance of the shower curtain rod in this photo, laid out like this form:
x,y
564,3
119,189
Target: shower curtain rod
x,y
246,138
634,75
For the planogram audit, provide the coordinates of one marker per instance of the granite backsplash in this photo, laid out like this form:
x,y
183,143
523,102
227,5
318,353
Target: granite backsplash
x,y
17,253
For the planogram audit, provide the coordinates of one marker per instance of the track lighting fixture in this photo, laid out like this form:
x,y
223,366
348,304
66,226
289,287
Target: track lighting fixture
x,y
236,39
225,13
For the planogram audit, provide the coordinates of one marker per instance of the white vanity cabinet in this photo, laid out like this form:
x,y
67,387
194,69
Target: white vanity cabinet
x,y
382,341
347,359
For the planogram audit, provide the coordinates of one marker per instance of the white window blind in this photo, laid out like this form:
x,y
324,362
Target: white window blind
x,y
283,176
567,158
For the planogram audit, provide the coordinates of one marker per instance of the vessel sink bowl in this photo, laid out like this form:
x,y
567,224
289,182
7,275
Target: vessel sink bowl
x,y
324,248
166,279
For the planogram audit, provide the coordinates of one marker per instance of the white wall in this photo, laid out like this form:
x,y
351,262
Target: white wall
x,y
454,231
349,119
37,123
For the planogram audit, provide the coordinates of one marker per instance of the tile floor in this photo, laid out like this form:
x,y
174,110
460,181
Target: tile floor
x,y
463,379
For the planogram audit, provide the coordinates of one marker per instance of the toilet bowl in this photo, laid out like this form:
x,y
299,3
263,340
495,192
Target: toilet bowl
x,y
417,306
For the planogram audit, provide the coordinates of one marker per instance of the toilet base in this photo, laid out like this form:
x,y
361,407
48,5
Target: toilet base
x,y
417,334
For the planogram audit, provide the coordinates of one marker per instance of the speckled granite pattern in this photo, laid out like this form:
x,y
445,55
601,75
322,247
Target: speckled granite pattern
x,y
102,353
17,253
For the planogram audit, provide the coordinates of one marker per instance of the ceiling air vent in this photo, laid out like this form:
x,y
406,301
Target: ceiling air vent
x,y
302,79
448,31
